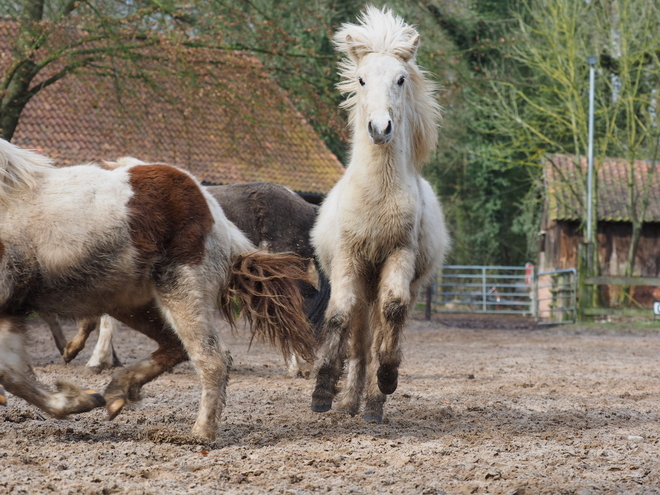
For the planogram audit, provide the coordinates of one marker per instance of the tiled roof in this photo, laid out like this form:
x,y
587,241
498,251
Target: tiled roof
x,y
563,182
230,123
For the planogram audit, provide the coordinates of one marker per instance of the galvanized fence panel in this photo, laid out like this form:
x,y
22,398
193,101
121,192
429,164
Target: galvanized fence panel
x,y
483,289
556,297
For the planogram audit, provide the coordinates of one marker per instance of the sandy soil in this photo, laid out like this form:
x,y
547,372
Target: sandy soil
x,y
497,407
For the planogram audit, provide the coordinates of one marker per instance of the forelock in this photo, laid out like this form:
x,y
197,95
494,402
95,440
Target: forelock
x,y
378,31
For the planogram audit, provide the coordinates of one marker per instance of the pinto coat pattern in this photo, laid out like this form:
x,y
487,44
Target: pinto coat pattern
x,y
272,217
148,246
380,233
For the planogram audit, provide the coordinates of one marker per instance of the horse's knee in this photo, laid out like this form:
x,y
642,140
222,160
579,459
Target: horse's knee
x,y
337,322
395,312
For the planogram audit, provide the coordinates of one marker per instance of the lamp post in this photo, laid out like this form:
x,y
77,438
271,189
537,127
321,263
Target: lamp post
x,y
590,149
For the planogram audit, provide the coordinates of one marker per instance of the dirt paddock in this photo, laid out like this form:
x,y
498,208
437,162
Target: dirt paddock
x,y
483,406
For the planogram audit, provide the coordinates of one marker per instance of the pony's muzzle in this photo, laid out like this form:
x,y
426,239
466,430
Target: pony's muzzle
x,y
378,134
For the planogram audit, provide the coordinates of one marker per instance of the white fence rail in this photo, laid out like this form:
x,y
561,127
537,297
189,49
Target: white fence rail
x,y
483,289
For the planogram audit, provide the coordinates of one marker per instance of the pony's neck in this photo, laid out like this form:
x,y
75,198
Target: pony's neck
x,y
387,165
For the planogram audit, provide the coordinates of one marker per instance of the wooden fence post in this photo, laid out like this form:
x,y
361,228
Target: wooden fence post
x,y
585,269
429,302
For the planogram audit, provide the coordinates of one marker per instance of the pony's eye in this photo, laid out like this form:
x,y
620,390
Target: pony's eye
x,y
401,80
361,81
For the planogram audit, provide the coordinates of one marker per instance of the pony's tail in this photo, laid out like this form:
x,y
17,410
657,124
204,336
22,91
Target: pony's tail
x,y
265,286
18,168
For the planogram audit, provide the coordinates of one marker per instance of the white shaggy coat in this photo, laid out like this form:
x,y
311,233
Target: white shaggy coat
x,y
380,233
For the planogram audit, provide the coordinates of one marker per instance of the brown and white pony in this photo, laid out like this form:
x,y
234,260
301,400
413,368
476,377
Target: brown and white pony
x,y
380,233
272,217
148,246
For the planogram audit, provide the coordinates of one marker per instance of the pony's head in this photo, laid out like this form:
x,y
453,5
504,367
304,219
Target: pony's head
x,y
388,93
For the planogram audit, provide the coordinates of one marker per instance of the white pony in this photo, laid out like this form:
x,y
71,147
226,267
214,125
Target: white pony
x,y
380,233
146,244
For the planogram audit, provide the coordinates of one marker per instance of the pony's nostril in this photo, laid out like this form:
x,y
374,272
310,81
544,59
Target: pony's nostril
x,y
388,130
370,128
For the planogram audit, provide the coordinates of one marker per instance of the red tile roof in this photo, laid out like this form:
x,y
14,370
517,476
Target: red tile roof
x,y
229,123
565,184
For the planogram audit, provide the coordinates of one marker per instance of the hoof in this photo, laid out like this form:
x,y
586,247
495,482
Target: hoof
x,y
321,408
203,435
3,397
388,379
97,398
115,408
372,418
69,354
321,400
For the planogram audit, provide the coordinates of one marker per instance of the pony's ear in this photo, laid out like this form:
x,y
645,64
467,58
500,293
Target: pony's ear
x,y
408,50
355,49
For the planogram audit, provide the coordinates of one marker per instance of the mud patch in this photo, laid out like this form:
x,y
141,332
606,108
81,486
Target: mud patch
x,y
500,409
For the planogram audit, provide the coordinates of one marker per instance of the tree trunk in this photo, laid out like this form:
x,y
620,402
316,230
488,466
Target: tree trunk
x,y
16,97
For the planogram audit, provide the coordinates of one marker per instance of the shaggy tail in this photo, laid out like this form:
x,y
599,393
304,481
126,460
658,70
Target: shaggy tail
x,y
265,285
18,168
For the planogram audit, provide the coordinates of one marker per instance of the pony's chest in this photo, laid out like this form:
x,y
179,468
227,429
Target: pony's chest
x,y
380,224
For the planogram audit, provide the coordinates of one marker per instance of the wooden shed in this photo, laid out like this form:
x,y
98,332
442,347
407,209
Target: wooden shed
x,y
562,229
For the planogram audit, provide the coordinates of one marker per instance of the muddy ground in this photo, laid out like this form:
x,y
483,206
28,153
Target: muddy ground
x,y
483,406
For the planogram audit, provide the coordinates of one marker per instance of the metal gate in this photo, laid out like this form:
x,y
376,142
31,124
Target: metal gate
x,y
483,289
556,297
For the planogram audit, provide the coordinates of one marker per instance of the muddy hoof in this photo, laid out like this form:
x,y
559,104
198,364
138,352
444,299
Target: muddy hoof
x,y
94,370
115,407
372,418
97,399
69,353
388,379
321,399
3,397
321,402
321,407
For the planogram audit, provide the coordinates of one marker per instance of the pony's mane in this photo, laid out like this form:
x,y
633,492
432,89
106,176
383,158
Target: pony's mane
x,y
19,169
380,31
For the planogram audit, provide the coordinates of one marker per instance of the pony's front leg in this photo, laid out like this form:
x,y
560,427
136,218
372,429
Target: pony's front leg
x,y
358,352
77,343
340,311
16,376
127,382
394,299
56,329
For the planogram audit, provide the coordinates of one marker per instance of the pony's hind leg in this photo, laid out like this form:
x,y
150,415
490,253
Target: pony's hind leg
x,y
104,356
16,377
338,318
193,321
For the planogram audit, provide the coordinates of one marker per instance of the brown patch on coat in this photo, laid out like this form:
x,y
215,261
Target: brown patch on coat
x,y
169,217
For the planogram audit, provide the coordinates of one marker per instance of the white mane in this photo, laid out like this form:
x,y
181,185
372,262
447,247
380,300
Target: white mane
x,y
380,31
18,168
